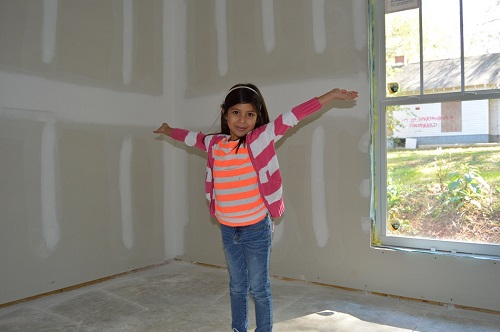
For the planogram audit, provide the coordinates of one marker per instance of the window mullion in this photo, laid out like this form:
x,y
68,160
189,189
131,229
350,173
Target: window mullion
x,y
462,49
421,36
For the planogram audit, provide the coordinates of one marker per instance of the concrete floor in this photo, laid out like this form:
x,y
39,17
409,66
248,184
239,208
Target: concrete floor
x,y
180,296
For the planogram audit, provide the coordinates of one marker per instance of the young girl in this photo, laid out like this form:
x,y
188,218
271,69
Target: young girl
x,y
244,187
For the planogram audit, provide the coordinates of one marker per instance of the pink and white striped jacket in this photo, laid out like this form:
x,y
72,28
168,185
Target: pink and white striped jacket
x,y
260,143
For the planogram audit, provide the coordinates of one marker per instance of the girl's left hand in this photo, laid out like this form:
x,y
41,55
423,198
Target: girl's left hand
x,y
337,94
342,94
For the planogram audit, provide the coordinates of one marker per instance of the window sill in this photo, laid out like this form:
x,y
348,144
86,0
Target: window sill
x,y
436,252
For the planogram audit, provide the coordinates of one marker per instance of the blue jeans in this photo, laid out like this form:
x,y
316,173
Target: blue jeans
x,y
247,251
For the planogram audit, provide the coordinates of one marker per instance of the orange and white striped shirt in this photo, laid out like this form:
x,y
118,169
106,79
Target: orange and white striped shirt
x,y
237,197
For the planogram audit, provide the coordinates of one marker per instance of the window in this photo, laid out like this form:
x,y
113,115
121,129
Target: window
x,y
436,125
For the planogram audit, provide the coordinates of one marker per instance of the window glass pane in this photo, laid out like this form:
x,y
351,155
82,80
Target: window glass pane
x,y
443,179
482,44
402,53
441,46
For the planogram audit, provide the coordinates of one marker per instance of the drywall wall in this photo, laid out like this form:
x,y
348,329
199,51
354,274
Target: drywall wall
x,y
87,192
81,190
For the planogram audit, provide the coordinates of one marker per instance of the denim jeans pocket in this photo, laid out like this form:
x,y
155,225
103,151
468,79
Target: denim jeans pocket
x,y
262,225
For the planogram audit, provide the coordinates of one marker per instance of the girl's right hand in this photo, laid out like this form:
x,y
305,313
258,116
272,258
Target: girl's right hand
x,y
164,129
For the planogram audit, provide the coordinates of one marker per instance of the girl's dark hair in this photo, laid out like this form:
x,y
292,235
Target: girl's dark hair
x,y
243,94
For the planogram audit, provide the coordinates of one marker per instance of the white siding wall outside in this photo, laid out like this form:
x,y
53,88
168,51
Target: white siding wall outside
x,y
495,117
425,120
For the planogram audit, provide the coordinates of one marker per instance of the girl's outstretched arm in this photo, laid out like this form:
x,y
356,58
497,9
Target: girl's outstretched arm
x,y
164,129
190,138
339,94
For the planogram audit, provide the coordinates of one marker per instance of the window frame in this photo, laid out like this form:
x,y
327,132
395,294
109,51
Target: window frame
x,y
379,102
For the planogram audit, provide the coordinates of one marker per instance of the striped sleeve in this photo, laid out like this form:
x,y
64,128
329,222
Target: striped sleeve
x,y
192,138
273,131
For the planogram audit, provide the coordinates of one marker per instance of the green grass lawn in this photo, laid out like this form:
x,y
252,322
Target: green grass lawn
x,y
417,166
428,196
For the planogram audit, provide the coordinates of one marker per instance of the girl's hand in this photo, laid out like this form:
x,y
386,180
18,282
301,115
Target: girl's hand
x,y
338,94
164,129
342,94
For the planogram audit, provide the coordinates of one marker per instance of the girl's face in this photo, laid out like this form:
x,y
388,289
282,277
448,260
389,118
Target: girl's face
x,y
241,119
